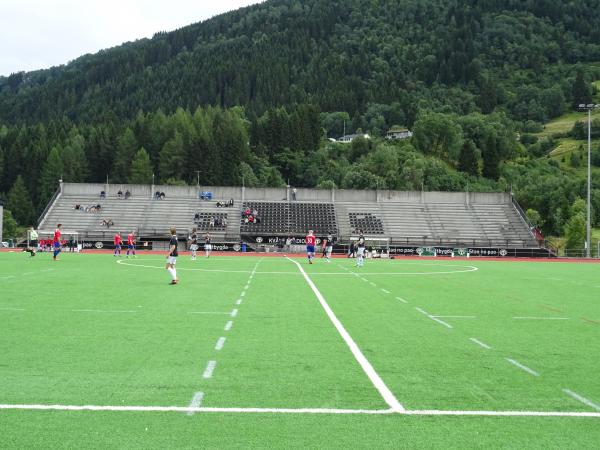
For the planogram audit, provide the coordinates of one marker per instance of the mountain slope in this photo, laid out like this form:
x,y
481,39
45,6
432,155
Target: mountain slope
x,y
340,54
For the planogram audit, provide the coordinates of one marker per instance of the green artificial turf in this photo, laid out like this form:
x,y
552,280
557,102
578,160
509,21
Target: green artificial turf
x,y
90,331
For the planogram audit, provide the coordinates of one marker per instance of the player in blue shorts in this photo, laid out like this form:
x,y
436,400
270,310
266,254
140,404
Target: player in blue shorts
x,y
310,246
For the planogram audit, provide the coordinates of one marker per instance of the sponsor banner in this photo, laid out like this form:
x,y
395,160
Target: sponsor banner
x,y
278,240
472,252
109,245
225,247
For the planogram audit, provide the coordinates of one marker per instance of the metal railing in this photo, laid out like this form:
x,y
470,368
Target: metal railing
x,y
49,206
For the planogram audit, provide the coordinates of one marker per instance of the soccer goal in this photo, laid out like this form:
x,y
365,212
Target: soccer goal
x,y
45,238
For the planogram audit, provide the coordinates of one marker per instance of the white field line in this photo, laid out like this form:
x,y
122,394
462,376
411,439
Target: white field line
x,y
234,313
195,403
522,367
401,299
583,400
242,294
220,343
364,279
372,284
210,312
246,287
481,344
103,311
454,317
12,309
441,322
228,326
239,301
379,384
210,368
386,291
541,318
203,409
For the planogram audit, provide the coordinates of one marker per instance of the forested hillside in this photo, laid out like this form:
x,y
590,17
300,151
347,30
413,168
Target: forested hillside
x,y
253,94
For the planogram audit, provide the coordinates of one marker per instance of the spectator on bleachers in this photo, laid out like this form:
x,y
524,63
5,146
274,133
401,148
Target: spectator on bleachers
x,y
107,223
162,195
211,222
294,194
157,195
102,194
77,207
230,202
196,217
127,194
251,218
120,194
224,222
247,212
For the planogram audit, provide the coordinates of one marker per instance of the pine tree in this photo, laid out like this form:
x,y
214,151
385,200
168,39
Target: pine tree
x,y
172,159
76,169
141,168
19,203
467,161
491,157
52,172
582,93
127,146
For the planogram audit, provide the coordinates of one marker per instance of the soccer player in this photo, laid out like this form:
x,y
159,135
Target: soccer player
x,y
310,246
328,248
193,241
131,244
117,244
56,242
207,245
172,257
33,242
360,251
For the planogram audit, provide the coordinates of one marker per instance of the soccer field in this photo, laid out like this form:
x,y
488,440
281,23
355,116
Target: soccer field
x,y
272,352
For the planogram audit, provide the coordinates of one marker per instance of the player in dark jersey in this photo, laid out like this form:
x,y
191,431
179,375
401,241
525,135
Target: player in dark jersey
x,y
360,251
310,246
117,242
207,245
193,242
131,244
56,242
328,247
172,257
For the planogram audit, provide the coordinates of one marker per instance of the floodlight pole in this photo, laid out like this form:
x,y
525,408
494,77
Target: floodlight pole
x,y
588,242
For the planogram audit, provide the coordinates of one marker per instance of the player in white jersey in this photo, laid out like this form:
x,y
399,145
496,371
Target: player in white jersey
x,y
207,245
193,241
360,251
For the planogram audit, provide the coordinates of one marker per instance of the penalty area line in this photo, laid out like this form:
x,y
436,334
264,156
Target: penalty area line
x,y
204,409
373,376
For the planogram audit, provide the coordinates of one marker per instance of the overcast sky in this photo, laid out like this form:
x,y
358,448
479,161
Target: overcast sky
x,y
37,34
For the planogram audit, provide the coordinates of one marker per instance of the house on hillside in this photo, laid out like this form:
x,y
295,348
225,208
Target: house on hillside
x,y
397,133
350,137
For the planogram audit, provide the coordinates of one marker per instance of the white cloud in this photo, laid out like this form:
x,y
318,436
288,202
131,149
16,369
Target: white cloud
x,y
37,34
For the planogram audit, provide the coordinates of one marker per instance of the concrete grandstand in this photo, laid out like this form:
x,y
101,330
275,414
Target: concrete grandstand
x,y
401,218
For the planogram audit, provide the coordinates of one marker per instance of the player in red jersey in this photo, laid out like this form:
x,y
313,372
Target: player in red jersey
x,y
117,244
310,246
131,244
56,242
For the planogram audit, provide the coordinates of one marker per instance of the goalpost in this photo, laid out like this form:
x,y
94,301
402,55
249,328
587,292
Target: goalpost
x,y
46,235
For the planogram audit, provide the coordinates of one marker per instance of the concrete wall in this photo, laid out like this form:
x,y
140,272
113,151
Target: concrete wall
x,y
280,194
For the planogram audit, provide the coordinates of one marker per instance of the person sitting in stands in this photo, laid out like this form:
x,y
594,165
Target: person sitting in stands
x,y
255,213
251,219
196,217
77,206
120,194
162,196
98,207
220,204
102,194
157,195
224,222
211,223
127,195
247,212
230,202
257,219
